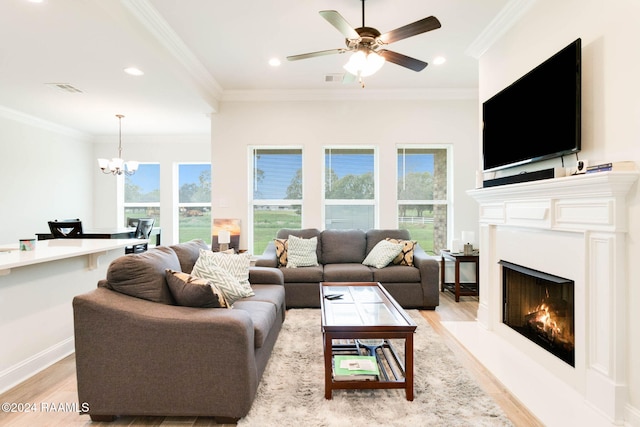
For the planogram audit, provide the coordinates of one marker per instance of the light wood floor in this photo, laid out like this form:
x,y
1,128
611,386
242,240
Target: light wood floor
x,y
57,384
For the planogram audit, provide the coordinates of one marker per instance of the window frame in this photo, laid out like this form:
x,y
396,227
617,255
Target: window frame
x,y
122,204
252,202
448,201
352,202
177,205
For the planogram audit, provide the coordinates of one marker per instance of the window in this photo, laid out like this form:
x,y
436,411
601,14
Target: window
x,y
349,188
194,202
276,195
142,194
422,195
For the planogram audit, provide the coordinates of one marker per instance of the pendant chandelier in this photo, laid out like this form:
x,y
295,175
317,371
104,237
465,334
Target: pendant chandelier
x,y
117,166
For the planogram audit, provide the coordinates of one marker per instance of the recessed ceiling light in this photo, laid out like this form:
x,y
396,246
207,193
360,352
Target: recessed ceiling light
x,y
133,71
274,62
438,60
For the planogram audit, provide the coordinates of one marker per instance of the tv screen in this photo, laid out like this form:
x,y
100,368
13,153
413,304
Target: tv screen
x,y
538,116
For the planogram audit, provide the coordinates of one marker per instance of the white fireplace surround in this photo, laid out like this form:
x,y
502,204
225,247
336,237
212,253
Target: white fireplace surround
x,y
573,227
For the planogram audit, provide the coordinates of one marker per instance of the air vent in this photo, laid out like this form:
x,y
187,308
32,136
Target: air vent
x,y
64,87
333,78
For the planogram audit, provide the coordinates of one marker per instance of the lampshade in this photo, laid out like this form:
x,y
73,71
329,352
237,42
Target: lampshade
x,y
364,63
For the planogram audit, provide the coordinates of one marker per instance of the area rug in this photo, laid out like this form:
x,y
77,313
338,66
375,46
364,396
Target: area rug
x,y
291,392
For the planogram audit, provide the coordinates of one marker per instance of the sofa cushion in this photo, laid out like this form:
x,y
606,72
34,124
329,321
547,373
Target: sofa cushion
x,y
143,275
305,233
228,284
340,246
303,274
405,257
302,252
188,253
375,235
273,294
396,274
191,291
263,316
347,272
383,254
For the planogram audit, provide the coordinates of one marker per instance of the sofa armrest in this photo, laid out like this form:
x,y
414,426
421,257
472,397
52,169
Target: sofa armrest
x,y
140,357
269,258
265,275
429,276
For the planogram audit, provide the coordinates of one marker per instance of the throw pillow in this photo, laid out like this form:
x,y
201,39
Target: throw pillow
x,y
231,288
282,246
236,264
302,252
382,254
191,291
405,257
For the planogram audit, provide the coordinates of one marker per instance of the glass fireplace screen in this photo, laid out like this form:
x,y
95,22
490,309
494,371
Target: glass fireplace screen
x,y
540,306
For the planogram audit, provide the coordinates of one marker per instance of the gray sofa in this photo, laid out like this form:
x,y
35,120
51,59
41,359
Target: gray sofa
x,y
340,254
143,355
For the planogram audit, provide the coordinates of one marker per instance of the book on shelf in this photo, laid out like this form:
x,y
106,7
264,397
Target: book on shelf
x,y
612,166
355,368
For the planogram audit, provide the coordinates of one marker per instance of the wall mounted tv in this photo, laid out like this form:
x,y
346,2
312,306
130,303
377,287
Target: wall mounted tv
x,y
538,116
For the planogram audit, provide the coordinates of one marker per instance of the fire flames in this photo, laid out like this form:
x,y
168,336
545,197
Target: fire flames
x,y
549,320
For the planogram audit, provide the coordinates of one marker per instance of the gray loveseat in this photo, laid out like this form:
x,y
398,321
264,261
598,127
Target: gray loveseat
x,y
340,254
143,355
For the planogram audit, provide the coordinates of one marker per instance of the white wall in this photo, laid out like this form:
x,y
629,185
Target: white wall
x,y
167,150
313,125
610,106
46,175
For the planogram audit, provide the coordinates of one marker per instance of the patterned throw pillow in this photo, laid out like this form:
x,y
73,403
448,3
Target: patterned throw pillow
x,y
282,246
206,267
225,282
405,257
236,264
302,252
382,254
191,291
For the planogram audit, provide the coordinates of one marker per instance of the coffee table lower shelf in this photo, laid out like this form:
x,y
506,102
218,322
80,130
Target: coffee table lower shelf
x,y
393,374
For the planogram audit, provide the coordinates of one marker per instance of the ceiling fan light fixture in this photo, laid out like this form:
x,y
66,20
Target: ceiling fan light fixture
x,y
364,64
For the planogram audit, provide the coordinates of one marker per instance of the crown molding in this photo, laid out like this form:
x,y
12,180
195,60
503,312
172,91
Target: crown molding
x,y
507,18
151,19
18,116
349,95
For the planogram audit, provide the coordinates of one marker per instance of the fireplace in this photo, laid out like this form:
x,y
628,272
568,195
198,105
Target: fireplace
x,y
540,306
572,227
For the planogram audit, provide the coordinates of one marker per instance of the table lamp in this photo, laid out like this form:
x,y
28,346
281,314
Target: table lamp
x,y
224,237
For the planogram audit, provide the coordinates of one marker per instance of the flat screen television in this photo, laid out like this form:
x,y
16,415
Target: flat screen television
x,y
538,116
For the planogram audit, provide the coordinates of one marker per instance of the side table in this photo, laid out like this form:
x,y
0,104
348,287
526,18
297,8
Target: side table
x,y
457,288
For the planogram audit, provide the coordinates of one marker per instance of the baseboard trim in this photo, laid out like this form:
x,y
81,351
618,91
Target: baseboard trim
x,y
632,416
22,371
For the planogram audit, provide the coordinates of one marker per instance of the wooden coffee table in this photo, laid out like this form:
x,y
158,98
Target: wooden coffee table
x,y
366,311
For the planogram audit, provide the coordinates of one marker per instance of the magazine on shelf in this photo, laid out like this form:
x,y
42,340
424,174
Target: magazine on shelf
x,y
355,368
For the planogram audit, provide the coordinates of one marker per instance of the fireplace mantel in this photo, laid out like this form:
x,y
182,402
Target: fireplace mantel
x,y
572,227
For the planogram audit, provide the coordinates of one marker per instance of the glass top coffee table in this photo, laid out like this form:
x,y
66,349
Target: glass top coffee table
x,y
360,319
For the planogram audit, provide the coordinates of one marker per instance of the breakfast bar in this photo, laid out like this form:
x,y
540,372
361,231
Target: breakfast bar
x,y
36,290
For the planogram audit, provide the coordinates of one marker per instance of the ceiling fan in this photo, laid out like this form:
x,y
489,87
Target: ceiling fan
x,y
368,44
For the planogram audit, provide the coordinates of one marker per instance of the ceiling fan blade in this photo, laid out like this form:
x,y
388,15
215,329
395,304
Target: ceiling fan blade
x,y
418,27
314,54
341,24
402,60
